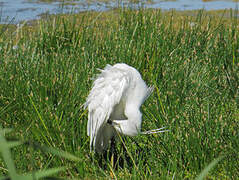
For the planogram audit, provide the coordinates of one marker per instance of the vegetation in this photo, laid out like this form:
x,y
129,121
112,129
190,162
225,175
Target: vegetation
x,y
192,60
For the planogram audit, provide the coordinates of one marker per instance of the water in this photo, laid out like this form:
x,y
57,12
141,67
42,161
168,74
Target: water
x,y
15,11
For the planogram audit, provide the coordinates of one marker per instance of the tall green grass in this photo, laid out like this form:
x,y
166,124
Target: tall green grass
x,y
193,62
5,150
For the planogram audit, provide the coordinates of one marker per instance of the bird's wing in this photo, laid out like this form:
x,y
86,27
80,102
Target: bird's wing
x,y
108,89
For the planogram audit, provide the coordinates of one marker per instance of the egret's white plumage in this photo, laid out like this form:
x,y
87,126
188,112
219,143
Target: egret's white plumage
x,y
114,105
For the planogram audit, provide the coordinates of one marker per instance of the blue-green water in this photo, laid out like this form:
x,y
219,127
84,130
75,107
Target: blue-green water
x,y
15,11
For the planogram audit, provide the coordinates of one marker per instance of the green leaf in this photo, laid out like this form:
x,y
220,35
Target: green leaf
x,y
41,173
3,178
13,144
60,153
6,154
208,168
56,152
5,131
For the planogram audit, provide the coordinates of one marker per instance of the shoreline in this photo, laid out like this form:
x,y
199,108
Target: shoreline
x,y
21,12
225,13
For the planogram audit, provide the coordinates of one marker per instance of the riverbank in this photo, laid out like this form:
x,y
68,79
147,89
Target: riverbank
x,y
16,11
192,60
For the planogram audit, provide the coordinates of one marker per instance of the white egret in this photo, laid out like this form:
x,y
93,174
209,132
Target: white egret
x,y
114,105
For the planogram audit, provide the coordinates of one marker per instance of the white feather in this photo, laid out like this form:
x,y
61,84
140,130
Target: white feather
x,y
116,96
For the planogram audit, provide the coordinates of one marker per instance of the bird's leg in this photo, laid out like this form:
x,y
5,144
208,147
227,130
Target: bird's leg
x,y
126,158
113,145
102,159
113,152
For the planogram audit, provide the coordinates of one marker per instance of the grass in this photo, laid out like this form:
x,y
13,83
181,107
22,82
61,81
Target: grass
x,y
192,60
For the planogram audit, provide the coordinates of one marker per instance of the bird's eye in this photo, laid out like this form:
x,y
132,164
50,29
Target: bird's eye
x,y
109,121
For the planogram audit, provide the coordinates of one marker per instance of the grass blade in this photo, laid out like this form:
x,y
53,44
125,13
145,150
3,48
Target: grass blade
x,y
206,170
42,174
54,151
6,154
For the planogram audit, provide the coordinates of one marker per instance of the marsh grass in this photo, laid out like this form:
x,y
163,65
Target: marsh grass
x,y
192,60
